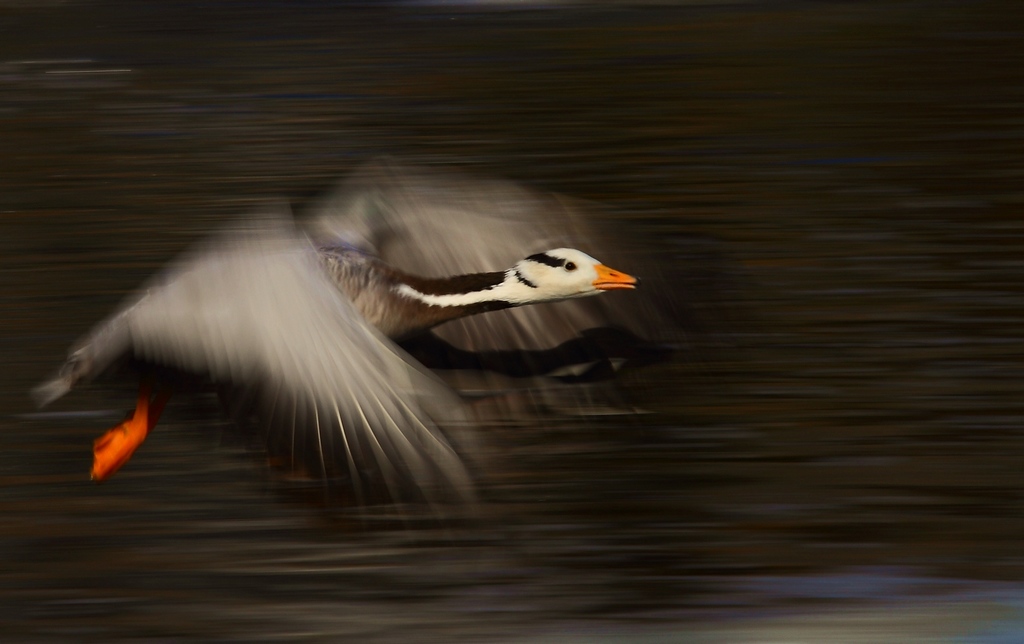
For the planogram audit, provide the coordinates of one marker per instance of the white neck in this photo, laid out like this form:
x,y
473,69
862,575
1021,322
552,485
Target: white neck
x,y
510,290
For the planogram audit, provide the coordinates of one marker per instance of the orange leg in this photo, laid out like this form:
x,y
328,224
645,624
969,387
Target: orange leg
x,y
113,449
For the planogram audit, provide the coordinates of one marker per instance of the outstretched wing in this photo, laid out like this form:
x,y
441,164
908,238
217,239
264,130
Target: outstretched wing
x,y
254,313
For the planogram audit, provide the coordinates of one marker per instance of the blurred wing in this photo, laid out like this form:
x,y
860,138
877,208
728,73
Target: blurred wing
x,y
435,224
254,312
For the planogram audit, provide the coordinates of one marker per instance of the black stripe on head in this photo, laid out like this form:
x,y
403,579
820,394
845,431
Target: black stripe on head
x,y
544,258
519,276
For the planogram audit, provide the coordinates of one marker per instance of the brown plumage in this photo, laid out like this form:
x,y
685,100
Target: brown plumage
x,y
370,284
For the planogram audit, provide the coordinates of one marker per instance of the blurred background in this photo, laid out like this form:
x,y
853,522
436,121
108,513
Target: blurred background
x,y
846,468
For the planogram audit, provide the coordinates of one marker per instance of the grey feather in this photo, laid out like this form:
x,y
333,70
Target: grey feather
x,y
254,311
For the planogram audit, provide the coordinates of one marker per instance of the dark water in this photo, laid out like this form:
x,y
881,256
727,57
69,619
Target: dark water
x,y
848,470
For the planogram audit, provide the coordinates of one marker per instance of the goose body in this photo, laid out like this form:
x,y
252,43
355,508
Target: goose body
x,y
298,333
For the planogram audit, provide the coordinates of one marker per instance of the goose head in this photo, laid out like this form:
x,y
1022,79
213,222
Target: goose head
x,y
550,276
561,274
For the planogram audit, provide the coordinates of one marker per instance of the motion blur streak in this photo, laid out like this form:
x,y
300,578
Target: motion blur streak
x,y
844,177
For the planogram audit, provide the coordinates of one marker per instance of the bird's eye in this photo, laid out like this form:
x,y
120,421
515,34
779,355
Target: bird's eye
x,y
570,266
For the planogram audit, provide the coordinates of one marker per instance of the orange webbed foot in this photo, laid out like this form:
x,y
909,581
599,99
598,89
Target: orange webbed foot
x,y
115,448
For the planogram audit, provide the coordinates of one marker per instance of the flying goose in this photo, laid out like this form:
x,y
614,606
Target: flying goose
x,y
426,221
300,336
290,324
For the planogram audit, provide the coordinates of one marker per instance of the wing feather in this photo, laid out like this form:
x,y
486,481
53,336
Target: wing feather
x,y
254,313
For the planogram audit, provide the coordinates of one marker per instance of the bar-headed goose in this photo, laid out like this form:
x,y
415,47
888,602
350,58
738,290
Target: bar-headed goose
x,y
300,337
426,221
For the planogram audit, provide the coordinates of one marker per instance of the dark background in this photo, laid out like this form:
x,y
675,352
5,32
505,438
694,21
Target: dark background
x,y
850,467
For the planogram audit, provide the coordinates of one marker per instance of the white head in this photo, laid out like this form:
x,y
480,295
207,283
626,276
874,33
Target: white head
x,y
560,274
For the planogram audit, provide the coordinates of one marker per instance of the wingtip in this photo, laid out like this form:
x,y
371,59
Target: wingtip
x,y
50,391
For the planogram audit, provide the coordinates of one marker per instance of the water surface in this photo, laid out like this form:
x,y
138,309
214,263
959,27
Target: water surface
x,y
849,177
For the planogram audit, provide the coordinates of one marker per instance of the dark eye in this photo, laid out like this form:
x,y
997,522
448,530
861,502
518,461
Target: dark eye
x,y
570,266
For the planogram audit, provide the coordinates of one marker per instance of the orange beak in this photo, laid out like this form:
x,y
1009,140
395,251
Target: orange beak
x,y
609,279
